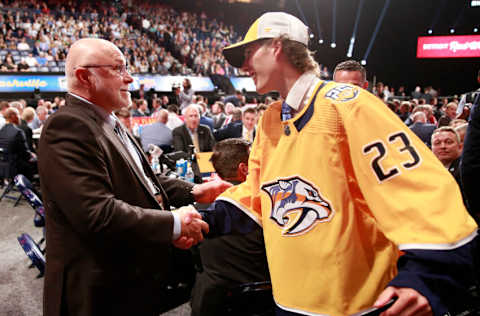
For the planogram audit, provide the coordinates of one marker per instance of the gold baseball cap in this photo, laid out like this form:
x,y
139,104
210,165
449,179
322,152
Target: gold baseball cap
x,y
269,25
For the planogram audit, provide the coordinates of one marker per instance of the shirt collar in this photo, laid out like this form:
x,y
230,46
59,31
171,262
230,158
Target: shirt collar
x,y
108,117
301,89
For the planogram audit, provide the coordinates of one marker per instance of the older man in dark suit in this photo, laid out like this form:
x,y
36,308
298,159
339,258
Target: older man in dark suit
x,y
422,129
109,241
15,149
192,133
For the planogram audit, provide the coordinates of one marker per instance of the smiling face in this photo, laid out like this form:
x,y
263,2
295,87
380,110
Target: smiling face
x,y
249,119
111,86
260,64
96,70
192,118
446,147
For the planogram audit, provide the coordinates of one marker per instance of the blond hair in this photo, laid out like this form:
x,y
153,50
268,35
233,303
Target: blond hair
x,y
299,55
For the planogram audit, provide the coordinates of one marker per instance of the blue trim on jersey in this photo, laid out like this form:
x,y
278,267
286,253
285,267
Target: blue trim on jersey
x,y
305,118
224,218
442,276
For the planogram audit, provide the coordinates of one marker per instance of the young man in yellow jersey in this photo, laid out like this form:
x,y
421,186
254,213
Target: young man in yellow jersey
x,y
355,209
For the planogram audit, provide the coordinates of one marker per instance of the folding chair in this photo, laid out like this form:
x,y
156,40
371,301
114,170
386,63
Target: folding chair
x,y
29,193
7,172
33,252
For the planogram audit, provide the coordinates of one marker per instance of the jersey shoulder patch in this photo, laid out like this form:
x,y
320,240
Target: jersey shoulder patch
x,y
343,93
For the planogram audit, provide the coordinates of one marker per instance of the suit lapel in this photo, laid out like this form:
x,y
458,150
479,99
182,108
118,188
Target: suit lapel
x,y
112,136
187,135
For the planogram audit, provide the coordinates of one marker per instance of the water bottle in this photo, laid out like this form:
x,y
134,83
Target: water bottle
x,y
181,170
155,153
155,165
189,176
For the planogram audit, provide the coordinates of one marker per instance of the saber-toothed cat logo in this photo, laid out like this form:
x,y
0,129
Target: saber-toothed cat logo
x,y
297,206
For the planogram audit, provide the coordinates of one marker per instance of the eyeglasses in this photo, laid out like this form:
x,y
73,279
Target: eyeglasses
x,y
120,69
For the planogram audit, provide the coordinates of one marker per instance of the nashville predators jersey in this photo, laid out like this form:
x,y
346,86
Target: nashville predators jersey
x,y
339,189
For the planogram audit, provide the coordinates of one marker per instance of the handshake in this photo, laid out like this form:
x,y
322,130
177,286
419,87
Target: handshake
x,y
193,227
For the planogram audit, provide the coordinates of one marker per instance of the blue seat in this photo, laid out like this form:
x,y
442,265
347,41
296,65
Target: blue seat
x,y
33,252
29,193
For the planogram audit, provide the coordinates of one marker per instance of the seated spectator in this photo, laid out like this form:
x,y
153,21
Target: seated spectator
x,y
228,261
142,108
28,115
18,105
217,114
238,99
14,144
192,133
457,122
31,61
233,129
23,45
421,128
351,71
450,114
3,109
174,120
157,133
9,64
164,101
447,147
40,119
462,131
22,65
125,117
205,120
229,107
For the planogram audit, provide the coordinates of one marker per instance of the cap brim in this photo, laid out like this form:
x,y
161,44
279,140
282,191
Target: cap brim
x,y
235,53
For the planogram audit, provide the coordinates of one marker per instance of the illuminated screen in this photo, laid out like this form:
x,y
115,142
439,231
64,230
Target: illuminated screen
x,y
458,46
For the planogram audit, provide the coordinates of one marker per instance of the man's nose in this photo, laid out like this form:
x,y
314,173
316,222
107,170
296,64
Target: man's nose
x,y
128,78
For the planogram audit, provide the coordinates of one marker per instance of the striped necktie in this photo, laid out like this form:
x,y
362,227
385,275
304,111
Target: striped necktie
x,y
286,111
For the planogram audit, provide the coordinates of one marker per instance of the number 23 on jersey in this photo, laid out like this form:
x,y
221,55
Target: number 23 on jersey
x,y
398,142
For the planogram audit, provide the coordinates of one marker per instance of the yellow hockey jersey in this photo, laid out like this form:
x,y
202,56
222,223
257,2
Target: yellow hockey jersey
x,y
339,189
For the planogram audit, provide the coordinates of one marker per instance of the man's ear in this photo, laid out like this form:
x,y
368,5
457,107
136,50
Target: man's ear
x,y
83,77
365,85
243,169
277,47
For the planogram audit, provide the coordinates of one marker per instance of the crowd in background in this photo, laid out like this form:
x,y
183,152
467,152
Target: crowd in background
x,y
35,36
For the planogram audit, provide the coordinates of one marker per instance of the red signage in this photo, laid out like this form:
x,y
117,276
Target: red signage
x,y
448,46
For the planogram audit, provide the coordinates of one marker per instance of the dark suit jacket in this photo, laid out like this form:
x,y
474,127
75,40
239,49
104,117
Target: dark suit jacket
x,y
137,113
218,120
17,154
182,139
470,161
28,134
424,131
204,120
109,243
232,130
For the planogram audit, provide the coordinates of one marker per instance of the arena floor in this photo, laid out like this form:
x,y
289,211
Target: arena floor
x,y
20,289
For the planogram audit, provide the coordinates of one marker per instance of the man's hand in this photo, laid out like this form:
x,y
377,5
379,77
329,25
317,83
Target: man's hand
x,y
208,192
409,302
192,227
